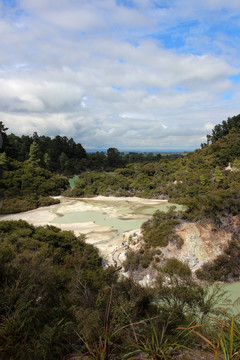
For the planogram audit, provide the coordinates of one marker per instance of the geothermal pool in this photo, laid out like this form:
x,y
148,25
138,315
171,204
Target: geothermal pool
x,y
106,223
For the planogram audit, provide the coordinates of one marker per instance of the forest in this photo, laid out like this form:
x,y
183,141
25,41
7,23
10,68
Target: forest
x,y
50,162
66,157
59,302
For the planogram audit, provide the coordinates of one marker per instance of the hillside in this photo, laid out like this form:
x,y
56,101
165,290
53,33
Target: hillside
x,y
199,180
206,182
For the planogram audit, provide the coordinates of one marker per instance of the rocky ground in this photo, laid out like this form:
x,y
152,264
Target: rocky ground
x,y
196,354
187,354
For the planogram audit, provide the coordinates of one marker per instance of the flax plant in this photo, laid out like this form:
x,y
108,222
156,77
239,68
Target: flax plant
x,y
226,338
157,346
103,345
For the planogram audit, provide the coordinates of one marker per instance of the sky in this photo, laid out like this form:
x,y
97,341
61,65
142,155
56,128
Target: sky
x,y
130,74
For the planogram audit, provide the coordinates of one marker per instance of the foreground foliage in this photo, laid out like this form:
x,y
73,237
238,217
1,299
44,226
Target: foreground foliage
x,y
225,343
157,346
56,299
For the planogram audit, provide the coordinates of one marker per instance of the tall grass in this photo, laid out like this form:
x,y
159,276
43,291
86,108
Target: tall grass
x,y
103,343
157,346
223,338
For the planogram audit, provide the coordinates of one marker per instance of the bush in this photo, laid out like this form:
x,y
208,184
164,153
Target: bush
x,y
225,267
16,205
47,201
174,266
157,231
136,259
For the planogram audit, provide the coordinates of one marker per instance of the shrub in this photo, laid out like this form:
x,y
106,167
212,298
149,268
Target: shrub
x,y
174,266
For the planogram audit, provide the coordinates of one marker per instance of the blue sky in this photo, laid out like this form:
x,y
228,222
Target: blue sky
x,y
129,74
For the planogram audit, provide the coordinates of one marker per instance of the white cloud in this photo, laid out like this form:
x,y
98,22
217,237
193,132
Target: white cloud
x,y
209,126
110,75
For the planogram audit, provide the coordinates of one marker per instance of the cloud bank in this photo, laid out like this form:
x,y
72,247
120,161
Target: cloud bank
x,y
130,74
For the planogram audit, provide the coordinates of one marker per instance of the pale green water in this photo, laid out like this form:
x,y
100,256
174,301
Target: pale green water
x,y
71,181
146,209
227,297
121,225
233,293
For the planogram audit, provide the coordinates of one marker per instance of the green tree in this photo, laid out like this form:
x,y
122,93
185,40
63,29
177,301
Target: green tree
x,y
236,164
113,157
47,160
3,135
34,155
218,176
64,161
3,163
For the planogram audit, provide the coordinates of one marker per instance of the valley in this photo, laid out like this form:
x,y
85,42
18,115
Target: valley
x,y
105,221
108,222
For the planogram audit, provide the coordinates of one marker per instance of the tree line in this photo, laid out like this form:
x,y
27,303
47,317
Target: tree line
x,y
65,156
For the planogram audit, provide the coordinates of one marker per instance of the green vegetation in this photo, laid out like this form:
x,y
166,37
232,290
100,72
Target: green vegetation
x,y
158,346
226,339
46,278
58,155
30,169
64,156
25,186
221,130
176,267
136,259
200,181
158,230
225,267
57,300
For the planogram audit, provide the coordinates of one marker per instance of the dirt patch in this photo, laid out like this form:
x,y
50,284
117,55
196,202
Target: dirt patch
x,y
196,354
